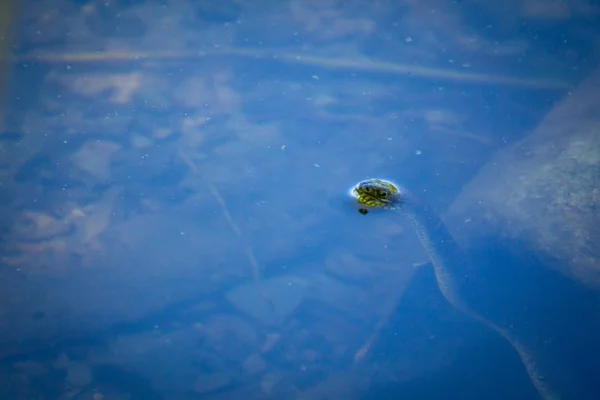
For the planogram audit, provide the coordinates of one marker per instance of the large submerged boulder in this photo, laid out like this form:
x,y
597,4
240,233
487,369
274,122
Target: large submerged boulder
x,y
544,191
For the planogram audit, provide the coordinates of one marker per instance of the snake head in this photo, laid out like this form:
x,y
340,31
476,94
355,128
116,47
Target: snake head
x,y
376,193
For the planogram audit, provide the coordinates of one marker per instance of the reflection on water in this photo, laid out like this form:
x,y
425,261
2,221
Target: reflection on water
x,y
172,192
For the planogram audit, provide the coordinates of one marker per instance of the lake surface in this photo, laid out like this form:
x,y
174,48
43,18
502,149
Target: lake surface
x,y
174,191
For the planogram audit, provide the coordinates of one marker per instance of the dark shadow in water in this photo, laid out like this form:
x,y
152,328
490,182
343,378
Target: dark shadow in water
x,y
486,367
554,316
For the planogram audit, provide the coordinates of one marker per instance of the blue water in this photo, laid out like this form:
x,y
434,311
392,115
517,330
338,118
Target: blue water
x,y
175,218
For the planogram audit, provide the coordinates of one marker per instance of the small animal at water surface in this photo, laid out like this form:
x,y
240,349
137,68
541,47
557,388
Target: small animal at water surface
x,y
458,280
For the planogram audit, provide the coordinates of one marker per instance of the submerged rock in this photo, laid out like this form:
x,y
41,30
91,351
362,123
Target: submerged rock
x,y
544,191
270,301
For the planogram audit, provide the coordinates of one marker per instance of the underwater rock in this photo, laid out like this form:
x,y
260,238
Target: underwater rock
x,y
254,364
544,190
211,382
78,374
270,301
33,225
95,158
